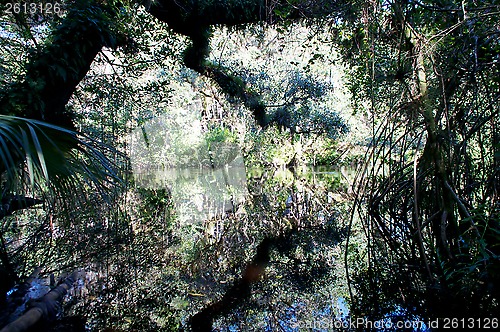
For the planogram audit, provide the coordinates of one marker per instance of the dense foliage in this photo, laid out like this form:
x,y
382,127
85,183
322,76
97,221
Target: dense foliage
x,y
429,73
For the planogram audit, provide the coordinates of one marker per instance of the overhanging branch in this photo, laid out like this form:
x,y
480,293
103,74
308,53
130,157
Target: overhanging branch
x,y
195,19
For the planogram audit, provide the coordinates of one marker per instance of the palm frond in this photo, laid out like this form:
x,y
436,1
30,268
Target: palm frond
x,y
42,157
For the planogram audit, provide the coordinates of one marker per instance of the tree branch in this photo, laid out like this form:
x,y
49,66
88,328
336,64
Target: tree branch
x,y
195,18
53,74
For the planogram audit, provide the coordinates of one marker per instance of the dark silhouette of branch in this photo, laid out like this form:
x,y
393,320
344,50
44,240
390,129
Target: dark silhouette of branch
x,y
12,203
236,294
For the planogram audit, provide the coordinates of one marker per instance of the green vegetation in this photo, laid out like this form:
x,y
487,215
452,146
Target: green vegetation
x,y
250,165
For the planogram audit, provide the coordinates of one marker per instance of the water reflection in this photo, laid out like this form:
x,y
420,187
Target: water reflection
x,y
201,193
204,193
225,208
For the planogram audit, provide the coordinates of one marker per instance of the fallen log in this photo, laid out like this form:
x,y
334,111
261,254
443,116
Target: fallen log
x,y
10,305
44,308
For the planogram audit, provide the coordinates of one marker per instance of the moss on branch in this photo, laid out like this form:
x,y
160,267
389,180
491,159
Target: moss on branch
x,y
53,74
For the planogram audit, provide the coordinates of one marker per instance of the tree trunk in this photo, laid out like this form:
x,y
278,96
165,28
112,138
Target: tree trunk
x,y
53,74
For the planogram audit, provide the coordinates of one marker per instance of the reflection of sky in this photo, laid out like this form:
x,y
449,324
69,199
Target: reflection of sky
x,y
294,319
